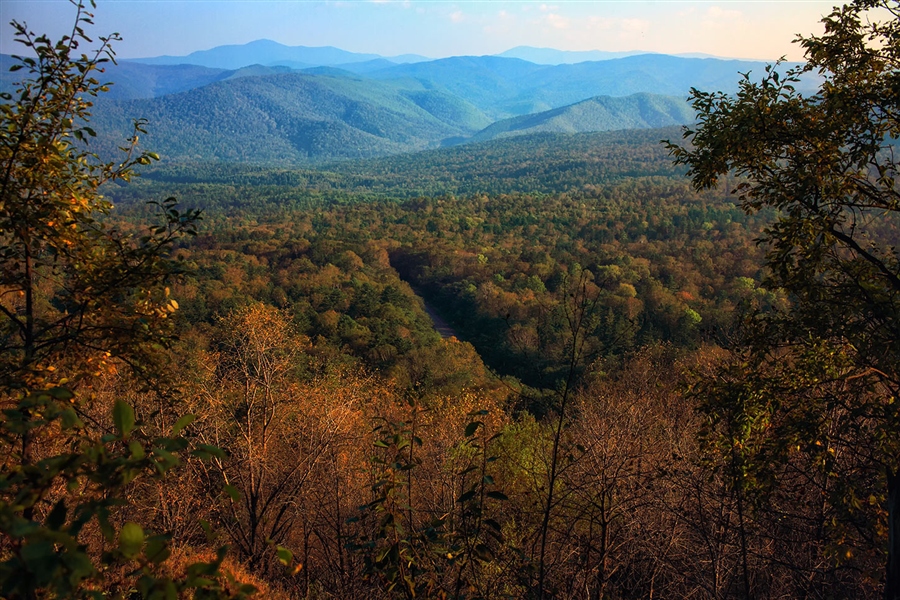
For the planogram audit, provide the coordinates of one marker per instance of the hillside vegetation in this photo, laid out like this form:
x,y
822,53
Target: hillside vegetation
x,y
666,363
603,113
250,104
291,117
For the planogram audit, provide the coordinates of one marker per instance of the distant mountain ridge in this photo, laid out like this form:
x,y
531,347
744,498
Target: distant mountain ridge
x,y
297,118
304,111
270,53
506,87
551,56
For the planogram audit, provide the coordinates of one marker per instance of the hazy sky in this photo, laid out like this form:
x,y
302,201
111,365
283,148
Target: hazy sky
x,y
740,29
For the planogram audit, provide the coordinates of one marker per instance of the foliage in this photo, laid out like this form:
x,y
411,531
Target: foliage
x,y
534,164
669,264
584,265
822,374
79,299
443,557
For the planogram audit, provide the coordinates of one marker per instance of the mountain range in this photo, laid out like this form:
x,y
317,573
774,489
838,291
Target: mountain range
x,y
265,102
269,53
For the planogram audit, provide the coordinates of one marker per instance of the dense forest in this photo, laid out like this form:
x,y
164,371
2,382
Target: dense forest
x,y
588,365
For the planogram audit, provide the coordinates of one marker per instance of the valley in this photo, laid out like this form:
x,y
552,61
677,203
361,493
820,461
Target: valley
x,y
299,322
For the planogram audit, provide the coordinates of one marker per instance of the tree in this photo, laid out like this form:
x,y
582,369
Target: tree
x,y
824,374
78,298
257,412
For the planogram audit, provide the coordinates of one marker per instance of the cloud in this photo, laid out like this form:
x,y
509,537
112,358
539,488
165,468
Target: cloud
x,y
556,21
601,23
633,25
626,28
715,15
457,16
502,24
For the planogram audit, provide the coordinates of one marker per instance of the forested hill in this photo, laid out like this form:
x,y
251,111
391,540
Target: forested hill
x,y
603,113
133,81
291,117
542,163
298,118
333,110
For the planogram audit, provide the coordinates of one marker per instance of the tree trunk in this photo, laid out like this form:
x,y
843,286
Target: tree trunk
x,y
892,583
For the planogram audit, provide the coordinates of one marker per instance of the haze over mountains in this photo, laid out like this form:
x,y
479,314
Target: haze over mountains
x,y
266,102
267,52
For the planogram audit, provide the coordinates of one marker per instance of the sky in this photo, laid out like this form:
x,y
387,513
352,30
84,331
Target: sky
x,y
438,28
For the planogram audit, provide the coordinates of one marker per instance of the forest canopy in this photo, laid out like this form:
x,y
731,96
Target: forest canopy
x,y
644,384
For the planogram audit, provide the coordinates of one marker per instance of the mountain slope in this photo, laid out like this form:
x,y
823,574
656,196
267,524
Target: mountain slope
x,y
506,87
370,108
131,81
485,81
603,113
289,118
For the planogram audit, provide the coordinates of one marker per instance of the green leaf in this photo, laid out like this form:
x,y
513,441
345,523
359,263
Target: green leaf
x,y
123,417
497,496
483,552
181,423
70,419
466,496
157,549
232,492
131,539
206,452
41,559
492,524
79,565
472,427
285,556
57,517
136,449
61,393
